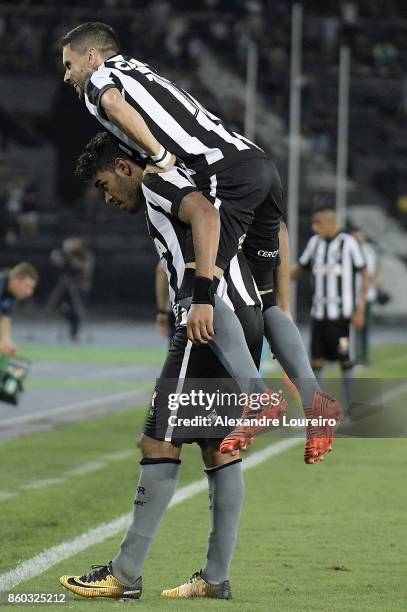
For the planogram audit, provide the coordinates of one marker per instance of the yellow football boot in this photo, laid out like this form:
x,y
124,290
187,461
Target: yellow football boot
x,y
198,587
101,583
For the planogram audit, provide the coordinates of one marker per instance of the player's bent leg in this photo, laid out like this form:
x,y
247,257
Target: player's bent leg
x,y
287,346
121,577
230,346
226,489
262,406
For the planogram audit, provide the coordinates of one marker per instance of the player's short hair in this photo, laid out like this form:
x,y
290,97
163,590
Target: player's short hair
x,y
92,34
100,154
323,208
24,270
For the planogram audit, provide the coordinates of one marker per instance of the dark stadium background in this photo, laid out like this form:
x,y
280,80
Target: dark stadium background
x,y
43,126
324,537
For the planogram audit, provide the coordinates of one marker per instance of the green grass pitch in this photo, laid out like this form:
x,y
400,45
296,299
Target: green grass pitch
x,y
329,537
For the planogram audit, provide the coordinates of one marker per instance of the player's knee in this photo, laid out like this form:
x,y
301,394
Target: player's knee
x,y
317,364
212,457
158,449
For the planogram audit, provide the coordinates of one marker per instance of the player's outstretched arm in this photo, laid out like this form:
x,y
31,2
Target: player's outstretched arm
x,y
133,125
7,346
199,213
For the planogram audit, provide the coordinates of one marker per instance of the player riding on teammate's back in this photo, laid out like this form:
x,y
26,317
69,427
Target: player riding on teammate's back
x,y
236,194
152,116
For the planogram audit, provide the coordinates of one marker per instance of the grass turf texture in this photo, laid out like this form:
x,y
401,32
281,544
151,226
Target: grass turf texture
x,y
92,354
324,537
88,384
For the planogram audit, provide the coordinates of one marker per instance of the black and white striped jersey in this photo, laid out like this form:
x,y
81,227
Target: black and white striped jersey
x,y
167,189
173,242
178,121
334,264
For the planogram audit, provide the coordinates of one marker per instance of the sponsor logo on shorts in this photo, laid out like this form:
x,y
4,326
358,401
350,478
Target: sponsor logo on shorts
x,y
267,253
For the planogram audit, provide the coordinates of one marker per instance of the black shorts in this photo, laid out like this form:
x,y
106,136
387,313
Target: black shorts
x,y
249,197
186,362
332,340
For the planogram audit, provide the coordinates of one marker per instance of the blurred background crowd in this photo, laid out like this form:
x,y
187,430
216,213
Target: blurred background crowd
x,y
202,45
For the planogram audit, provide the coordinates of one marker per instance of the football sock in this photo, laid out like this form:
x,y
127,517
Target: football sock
x,y
226,489
156,486
287,346
348,376
229,345
318,373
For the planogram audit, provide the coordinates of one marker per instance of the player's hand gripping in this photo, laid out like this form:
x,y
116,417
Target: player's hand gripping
x,y
151,168
200,323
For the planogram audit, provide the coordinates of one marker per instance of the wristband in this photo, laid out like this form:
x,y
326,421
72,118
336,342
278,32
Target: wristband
x,y
203,291
162,158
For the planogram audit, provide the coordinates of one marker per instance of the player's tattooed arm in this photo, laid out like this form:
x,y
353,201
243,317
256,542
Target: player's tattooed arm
x,y
132,124
204,219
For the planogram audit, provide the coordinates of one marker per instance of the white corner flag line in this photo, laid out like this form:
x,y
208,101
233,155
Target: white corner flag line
x,y
42,562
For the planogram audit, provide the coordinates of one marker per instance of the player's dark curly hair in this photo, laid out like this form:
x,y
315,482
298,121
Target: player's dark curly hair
x,y
100,154
92,34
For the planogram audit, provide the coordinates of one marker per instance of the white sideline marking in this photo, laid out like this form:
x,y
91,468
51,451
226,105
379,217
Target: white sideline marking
x,y
86,468
40,484
54,555
6,495
119,455
43,414
392,394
